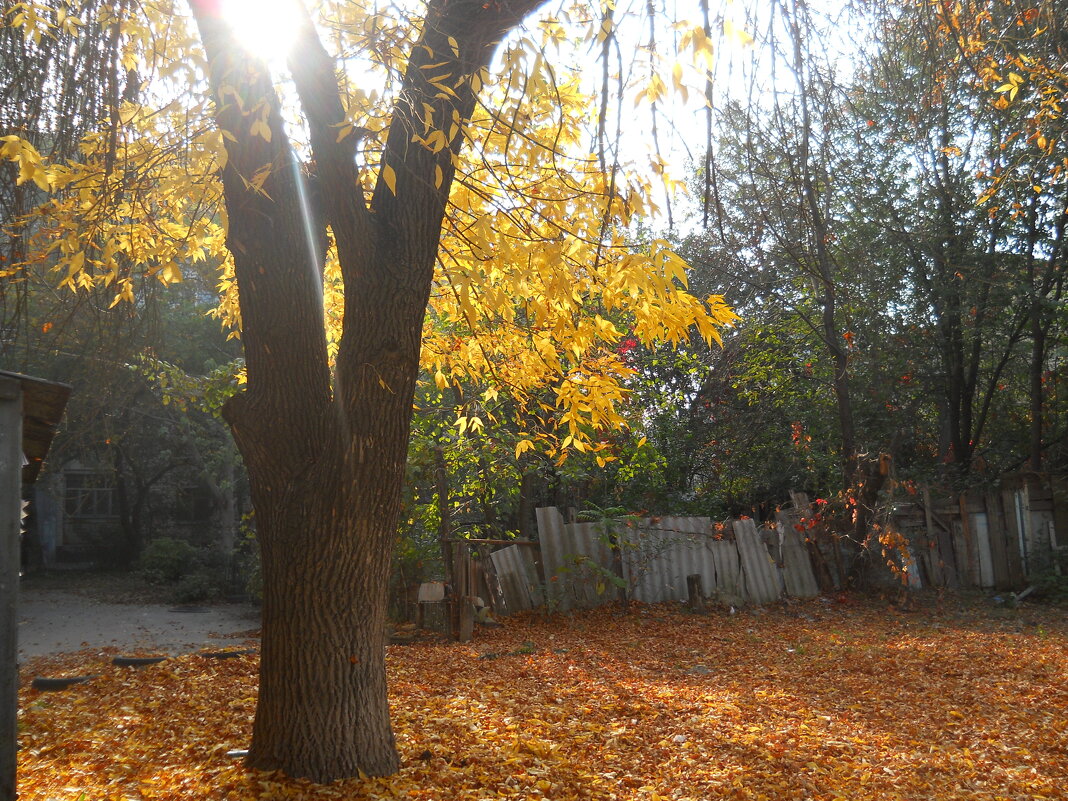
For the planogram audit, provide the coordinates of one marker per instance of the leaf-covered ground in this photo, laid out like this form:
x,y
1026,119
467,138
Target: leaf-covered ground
x,y
814,701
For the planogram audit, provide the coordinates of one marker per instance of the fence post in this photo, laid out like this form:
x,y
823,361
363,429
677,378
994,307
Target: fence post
x,y
696,592
10,523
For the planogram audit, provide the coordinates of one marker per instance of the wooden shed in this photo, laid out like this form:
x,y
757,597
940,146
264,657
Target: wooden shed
x,y
30,411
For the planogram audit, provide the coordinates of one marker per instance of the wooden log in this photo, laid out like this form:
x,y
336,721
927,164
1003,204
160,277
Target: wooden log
x,y
467,618
1015,539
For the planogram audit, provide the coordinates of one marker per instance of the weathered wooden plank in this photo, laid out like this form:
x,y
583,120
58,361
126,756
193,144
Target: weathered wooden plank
x,y
1015,541
970,557
995,528
1059,490
929,553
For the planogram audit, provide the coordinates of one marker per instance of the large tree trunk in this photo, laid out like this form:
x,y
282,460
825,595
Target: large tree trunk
x,y
325,448
322,710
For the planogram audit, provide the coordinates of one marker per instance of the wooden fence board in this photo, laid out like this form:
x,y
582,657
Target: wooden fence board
x,y
948,556
967,549
1059,490
995,529
1013,537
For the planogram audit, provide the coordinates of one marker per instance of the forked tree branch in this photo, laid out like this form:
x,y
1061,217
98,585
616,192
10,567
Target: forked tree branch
x,y
436,102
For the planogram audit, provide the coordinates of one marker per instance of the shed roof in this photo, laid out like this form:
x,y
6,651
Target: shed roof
x,y
43,403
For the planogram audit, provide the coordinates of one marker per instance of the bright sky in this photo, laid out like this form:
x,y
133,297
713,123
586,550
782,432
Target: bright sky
x,y
266,27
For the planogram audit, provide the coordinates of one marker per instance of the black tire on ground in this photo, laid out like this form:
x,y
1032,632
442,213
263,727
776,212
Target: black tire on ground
x,y
48,684
137,661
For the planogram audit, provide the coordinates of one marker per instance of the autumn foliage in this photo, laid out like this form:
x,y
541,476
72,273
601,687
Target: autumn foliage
x,y
809,701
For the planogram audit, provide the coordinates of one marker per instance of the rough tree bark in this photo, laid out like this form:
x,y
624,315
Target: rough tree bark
x,y
325,452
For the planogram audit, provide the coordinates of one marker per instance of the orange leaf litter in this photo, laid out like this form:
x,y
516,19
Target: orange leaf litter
x,y
811,701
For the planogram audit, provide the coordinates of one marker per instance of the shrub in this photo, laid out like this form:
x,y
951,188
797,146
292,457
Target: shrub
x,y
167,561
195,574
1051,587
195,588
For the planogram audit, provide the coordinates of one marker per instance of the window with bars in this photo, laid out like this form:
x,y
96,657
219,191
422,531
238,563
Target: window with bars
x,y
90,494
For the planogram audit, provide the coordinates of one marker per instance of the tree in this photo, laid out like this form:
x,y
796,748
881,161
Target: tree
x,y
323,422
1012,55
327,491
983,224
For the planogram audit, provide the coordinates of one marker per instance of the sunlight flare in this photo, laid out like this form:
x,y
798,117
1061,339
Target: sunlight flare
x,y
266,28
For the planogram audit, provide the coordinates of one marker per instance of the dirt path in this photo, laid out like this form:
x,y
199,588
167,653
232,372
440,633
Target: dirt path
x,y
55,621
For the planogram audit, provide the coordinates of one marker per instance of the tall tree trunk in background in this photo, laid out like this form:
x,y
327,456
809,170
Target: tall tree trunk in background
x,y
444,496
1046,285
489,507
528,485
326,456
824,272
1037,402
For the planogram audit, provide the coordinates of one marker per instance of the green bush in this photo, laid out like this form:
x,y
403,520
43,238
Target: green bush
x,y
167,561
194,574
195,588
249,572
1051,587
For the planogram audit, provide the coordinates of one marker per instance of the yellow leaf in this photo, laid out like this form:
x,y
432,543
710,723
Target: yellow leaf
x,y
261,128
390,177
736,34
170,274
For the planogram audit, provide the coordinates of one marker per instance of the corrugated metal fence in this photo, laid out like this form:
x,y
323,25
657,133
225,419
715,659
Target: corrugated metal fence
x,y
997,539
588,564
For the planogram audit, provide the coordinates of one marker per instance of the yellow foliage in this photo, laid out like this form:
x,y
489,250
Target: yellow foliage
x,y
539,277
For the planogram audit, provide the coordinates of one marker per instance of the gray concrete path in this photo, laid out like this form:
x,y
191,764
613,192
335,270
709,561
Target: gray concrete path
x,y
54,621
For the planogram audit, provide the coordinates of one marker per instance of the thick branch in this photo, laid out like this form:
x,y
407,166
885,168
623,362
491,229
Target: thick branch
x,y
426,134
278,275
334,149
458,40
